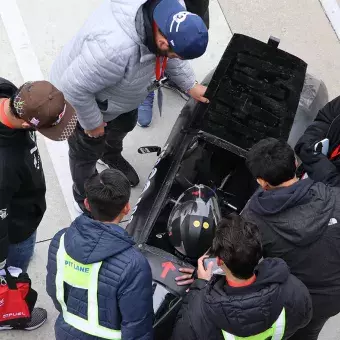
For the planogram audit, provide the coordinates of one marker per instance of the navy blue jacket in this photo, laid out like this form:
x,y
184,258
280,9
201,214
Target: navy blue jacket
x,y
244,311
125,280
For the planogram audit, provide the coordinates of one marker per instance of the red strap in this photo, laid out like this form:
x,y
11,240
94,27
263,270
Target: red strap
x,y
3,116
160,69
335,153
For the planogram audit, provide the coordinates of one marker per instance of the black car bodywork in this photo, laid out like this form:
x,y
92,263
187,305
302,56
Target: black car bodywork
x,y
254,92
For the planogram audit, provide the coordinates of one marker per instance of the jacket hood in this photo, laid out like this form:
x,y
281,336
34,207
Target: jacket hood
x,y
271,202
11,137
249,310
299,213
129,15
133,18
148,9
89,241
18,138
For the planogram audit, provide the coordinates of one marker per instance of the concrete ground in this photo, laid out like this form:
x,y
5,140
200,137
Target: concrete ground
x,y
38,29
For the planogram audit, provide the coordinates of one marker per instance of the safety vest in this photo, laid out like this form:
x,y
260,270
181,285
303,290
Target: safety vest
x,y
275,332
84,276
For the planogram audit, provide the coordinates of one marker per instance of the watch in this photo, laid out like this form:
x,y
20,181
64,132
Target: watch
x,y
195,83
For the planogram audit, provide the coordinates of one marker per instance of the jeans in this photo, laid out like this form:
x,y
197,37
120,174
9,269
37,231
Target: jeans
x,y
311,331
86,151
20,254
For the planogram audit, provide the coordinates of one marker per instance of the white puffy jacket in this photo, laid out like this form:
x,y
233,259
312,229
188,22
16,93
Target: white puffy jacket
x,y
107,60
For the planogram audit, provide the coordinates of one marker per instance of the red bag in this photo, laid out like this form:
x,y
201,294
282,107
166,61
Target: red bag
x,y
17,299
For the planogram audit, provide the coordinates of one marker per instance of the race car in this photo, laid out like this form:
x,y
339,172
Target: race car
x,y
256,91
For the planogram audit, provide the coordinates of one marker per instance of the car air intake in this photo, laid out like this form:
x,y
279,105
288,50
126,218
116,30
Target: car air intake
x,y
254,93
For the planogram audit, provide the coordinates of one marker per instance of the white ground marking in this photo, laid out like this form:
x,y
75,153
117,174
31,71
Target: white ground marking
x,y
30,70
332,10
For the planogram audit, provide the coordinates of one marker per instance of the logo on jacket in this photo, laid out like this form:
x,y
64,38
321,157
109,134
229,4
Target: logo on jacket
x,y
33,136
36,157
332,221
179,18
2,302
3,214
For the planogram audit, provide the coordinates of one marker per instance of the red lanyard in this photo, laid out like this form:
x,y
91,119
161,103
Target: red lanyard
x,y
160,69
4,118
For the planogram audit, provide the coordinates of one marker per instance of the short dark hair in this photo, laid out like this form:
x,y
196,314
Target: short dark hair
x,y
107,194
11,103
238,244
272,160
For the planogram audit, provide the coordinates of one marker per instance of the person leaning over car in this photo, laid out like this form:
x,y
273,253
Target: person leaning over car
x,y
299,222
107,69
320,167
259,300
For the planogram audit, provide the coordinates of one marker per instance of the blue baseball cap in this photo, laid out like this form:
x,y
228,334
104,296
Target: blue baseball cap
x,y
185,31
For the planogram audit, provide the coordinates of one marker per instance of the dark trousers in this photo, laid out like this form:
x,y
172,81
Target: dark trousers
x,y
312,330
85,151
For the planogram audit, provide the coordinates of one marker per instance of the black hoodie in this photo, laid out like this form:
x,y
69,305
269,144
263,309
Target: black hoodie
x,y
244,311
300,224
22,182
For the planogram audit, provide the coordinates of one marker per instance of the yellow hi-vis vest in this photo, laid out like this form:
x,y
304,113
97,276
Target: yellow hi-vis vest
x,y
275,332
84,276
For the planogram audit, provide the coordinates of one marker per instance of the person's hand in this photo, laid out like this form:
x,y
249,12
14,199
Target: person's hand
x,y
202,273
97,132
198,92
187,278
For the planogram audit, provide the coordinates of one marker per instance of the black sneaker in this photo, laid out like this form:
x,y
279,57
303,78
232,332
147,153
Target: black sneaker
x,y
121,164
38,318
